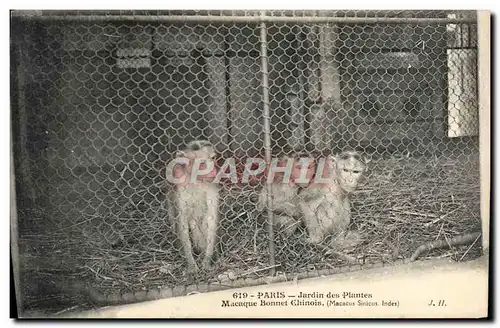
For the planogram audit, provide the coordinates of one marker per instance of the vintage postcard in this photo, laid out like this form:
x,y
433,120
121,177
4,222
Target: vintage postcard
x,y
250,163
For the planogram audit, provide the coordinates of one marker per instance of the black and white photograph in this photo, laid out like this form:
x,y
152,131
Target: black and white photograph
x,y
250,163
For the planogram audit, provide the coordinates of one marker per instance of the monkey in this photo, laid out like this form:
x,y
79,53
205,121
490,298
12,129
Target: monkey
x,y
324,205
193,206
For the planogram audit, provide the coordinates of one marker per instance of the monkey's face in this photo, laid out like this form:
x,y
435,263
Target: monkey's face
x,y
199,167
350,170
206,161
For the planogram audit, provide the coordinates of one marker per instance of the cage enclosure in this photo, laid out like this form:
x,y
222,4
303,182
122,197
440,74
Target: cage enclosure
x,y
102,100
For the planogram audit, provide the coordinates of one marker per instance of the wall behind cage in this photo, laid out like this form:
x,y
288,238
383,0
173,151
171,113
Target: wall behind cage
x,y
124,96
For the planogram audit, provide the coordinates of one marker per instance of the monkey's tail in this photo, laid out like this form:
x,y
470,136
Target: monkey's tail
x,y
455,241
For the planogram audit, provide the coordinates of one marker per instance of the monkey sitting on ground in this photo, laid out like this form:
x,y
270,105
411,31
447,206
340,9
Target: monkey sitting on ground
x,y
193,201
324,204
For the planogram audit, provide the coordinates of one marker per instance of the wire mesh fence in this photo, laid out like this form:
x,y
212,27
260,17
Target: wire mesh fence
x,y
102,102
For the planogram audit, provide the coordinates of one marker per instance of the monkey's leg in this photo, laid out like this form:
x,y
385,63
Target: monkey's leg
x,y
309,215
212,222
183,231
341,217
328,216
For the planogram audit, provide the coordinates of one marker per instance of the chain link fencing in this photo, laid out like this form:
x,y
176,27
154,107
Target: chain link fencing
x,y
101,102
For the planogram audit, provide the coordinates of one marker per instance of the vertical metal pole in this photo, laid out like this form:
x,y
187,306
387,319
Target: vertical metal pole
x,y
14,235
484,94
267,138
17,87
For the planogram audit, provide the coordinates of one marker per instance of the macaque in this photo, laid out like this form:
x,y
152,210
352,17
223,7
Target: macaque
x,y
194,201
286,213
324,204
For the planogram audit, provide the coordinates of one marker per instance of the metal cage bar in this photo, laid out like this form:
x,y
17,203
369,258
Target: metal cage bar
x,y
14,234
267,138
241,19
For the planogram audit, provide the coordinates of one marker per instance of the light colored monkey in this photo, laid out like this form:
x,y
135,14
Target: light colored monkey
x,y
325,203
286,213
194,201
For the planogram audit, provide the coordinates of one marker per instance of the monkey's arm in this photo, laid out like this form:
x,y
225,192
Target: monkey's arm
x,y
171,211
212,217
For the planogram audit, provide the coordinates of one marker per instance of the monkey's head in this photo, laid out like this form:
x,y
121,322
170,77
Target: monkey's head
x,y
350,167
201,145
198,156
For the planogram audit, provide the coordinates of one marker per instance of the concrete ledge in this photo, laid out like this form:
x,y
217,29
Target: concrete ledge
x,y
458,290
